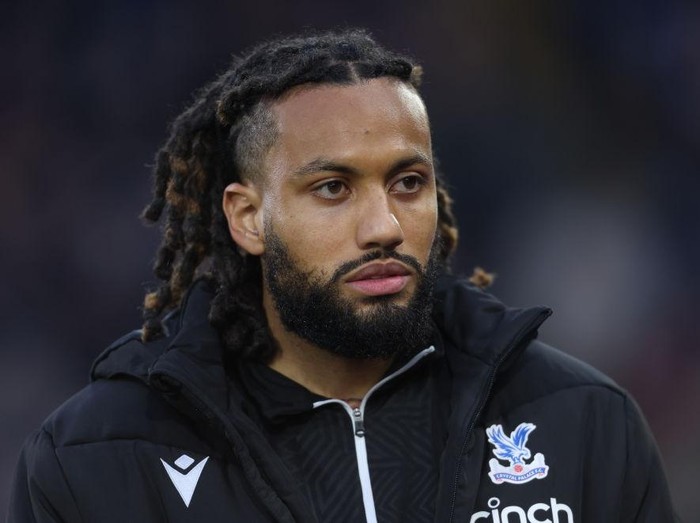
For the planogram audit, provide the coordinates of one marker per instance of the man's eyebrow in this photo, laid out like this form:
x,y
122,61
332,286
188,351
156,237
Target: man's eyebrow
x,y
416,158
322,164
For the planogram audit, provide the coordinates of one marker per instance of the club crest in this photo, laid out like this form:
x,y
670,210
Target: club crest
x,y
513,450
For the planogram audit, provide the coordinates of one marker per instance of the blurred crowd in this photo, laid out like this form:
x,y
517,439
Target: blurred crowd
x,y
569,133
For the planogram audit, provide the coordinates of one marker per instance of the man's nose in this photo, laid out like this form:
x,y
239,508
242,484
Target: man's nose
x,y
378,227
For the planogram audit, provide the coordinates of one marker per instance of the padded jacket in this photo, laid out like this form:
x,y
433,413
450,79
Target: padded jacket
x,y
532,435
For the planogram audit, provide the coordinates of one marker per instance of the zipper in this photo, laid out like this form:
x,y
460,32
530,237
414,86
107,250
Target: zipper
x,y
489,385
357,418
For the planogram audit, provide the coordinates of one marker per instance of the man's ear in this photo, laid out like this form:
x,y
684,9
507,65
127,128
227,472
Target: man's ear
x,y
242,207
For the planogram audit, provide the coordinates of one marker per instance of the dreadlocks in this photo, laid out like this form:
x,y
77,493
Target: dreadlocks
x,y
222,138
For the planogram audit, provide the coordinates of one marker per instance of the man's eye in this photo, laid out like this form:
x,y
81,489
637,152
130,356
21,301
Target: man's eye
x,y
408,184
332,190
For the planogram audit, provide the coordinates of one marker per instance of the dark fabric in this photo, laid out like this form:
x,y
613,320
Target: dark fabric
x,y
104,455
405,431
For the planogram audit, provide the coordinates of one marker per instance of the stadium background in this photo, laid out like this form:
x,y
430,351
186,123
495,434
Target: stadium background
x,y
569,132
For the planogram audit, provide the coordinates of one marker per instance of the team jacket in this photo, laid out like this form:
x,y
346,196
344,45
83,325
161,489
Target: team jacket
x,y
530,435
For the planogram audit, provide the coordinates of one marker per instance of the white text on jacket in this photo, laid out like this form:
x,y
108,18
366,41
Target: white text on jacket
x,y
551,512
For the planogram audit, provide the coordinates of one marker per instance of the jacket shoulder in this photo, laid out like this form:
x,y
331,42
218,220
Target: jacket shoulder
x,y
113,409
541,370
591,431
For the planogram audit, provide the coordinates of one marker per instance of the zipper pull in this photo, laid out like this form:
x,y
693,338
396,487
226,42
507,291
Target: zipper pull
x,y
358,423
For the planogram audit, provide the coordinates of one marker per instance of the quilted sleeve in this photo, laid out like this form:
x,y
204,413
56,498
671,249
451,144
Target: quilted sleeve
x,y
40,491
645,496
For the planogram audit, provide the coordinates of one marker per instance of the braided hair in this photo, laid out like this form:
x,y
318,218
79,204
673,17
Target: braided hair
x,y
222,138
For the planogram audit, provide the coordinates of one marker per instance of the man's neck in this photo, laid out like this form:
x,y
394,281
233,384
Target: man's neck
x,y
319,370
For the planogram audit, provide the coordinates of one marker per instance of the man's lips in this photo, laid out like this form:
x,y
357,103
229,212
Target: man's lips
x,y
378,279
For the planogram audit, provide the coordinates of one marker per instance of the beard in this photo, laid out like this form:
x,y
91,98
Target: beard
x,y
316,310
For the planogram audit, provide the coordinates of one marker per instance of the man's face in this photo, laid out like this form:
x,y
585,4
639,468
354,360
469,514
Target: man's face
x,y
349,209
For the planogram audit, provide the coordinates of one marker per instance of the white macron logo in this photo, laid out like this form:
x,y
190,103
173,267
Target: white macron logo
x,y
185,483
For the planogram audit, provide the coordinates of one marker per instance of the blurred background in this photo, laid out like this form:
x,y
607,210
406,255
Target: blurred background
x,y
569,132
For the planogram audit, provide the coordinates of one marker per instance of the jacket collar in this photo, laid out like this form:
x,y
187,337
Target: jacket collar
x,y
473,324
190,355
478,324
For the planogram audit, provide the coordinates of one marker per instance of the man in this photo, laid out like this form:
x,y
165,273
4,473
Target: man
x,y
306,356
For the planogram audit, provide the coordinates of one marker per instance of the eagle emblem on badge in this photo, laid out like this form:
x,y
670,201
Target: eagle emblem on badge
x,y
512,449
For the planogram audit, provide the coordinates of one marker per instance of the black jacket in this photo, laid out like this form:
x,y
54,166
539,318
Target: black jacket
x,y
532,435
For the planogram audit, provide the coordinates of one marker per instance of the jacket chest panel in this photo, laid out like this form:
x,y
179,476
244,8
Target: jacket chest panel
x,y
545,460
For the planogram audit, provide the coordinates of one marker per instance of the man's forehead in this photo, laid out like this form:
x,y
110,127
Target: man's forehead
x,y
372,117
308,101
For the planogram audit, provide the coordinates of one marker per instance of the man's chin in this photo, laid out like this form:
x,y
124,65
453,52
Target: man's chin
x,y
355,327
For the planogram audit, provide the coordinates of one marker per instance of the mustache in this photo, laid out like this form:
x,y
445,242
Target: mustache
x,y
350,266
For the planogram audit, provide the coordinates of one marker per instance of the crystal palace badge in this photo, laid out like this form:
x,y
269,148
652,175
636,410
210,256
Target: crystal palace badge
x,y
513,450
